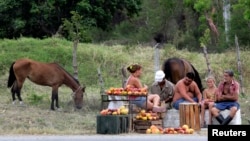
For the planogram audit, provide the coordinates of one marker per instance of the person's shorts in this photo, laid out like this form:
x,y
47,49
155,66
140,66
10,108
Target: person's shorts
x,y
226,105
176,103
139,101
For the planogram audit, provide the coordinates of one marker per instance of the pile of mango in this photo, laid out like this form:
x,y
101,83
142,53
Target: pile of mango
x,y
120,111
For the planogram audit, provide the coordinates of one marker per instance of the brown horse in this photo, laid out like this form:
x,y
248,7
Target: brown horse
x,y
45,74
176,69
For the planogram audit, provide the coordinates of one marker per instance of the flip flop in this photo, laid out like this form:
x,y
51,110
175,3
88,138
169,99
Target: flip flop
x,y
159,109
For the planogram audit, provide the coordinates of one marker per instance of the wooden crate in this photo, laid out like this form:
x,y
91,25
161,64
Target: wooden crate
x,y
112,124
140,126
190,115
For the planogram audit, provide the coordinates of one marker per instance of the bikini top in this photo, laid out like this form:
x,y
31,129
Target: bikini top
x,y
211,96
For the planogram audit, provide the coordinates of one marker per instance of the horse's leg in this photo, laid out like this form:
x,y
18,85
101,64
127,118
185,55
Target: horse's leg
x,y
18,86
54,98
16,90
13,92
19,96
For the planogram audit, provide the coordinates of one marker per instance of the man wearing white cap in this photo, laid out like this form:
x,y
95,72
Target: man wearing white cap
x,y
162,87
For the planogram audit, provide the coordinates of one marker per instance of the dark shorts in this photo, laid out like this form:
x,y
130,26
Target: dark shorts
x,y
139,101
176,103
226,105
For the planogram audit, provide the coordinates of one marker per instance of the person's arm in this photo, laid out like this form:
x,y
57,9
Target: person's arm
x,y
168,92
197,92
183,92
205,95
219,92
137,84
215,94
234,95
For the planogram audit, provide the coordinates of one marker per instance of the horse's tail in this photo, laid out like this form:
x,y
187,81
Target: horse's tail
x,y
197,78
12,77
167,70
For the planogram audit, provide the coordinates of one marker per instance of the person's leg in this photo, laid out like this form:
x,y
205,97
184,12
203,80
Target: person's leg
x,y
176,103
139,102
195,99
233,111
154,101
215,113
234,106
229,118
210,105
151,101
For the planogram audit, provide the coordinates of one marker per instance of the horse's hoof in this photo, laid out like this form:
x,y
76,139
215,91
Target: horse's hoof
x,y
59,109
22,104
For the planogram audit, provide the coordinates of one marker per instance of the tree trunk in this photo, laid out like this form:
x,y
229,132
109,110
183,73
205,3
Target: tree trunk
x,y
206,57
102,91
157,57
75,58
239,65
124,77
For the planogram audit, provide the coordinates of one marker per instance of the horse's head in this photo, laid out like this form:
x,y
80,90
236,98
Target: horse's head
x,y
78,97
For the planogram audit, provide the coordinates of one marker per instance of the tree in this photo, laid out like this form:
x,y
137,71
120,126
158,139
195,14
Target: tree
x,y
240,21
42,18
75,30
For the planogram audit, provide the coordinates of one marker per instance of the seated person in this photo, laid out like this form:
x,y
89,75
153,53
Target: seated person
x,y
153,100
186,90
208,99
162,87
226,98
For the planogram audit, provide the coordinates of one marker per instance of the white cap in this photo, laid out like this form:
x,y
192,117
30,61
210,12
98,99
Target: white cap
x,y
159,75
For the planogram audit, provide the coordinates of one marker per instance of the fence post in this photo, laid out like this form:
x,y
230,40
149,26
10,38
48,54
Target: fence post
x,y
239,65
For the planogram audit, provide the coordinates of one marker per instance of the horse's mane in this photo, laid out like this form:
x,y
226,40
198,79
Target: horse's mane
x,y
67,73
197,79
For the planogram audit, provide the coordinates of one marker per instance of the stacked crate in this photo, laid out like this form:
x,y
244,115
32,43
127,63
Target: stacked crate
x,y
140,126
112,124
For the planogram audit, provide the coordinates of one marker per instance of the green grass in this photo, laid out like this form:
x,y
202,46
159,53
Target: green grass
x,y
35,116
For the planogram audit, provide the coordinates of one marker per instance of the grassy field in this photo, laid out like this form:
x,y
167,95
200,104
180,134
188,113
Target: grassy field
x,y
35,116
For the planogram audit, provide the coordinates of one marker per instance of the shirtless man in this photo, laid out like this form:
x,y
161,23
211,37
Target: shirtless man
x,y
186,90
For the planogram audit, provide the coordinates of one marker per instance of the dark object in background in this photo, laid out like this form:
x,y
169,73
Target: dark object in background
x,y
159,37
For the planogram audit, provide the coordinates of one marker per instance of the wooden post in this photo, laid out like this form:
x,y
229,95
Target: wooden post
x,y
239,65
124,77
75,58
157,57
206,57
102,91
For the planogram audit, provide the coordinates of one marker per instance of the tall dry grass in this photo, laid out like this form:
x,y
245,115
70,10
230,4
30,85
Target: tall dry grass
x,y
37,118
